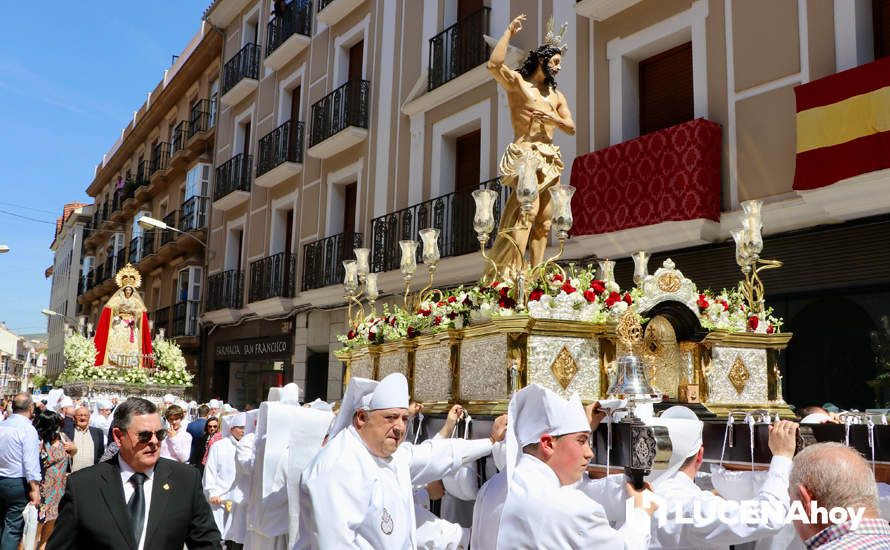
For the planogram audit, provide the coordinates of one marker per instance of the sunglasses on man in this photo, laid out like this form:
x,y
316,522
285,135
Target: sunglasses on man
x,y
145,437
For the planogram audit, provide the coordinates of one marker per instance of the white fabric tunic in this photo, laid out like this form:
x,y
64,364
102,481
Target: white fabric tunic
x,y
244,456
351,499
708,528
487,513
540,513
101,422
219,475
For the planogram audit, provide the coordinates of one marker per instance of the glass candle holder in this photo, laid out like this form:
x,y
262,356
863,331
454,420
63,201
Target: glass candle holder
x,y
350,275
361,260
527,182
742,255
408,263
561,203
371,291
753,235
641,266
483,220
753,209
430,251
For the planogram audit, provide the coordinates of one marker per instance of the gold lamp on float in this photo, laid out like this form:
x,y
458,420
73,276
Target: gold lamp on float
x,y
748,246
357,281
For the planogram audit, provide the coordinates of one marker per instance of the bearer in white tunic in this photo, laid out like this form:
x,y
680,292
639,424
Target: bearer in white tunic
x,y
219,473
547,456
101,417
357,492
708,528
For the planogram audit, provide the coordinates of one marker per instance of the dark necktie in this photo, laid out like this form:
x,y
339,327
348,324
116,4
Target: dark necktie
x,y
136,506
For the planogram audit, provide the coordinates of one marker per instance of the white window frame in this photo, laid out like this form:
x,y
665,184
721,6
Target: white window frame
x,y
445,132
229,259
238,137
285,87
342,43
278,223
337,180
247,21
625,53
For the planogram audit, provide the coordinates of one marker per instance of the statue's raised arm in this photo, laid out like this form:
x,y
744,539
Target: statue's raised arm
x,y
506,76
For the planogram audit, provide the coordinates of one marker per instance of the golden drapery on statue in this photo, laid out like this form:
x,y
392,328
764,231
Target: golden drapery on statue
x,y
123,337
546,162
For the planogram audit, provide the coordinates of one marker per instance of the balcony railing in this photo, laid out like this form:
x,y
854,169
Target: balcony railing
x,y
272,277
225,290
193,214
142,173
296,19
135,255
199,117
105,211
283,144
451,214
185,318
178,137
117,199
148,243
161,319
108,270
169,236
160,157
345,106
459,48
119,260
234,175
244,64
323,259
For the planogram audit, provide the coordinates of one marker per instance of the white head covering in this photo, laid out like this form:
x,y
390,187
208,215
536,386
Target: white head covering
x,y
251,419
369,395
815,418
65,401
274,394
685,431
214,404
169,398
52,399
290,394
232,421
104,404
226,408
321,405
535,411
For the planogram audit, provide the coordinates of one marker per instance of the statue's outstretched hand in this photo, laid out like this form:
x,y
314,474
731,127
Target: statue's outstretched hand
x,y
516,25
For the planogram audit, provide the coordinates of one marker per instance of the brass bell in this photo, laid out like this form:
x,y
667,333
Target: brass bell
x,y
630,378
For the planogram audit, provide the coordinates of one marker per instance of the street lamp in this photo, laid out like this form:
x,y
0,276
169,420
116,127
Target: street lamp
x,y
4,248
68,320
147,222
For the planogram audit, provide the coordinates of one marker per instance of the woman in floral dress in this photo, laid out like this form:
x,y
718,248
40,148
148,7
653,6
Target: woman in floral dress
x,y
54,457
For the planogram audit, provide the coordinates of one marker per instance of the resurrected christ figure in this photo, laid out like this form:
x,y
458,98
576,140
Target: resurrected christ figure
x,y
537,109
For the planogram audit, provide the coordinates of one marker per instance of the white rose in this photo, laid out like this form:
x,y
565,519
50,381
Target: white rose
x,y
619,307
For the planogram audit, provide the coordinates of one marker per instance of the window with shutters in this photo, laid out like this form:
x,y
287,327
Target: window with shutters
x,y
665,84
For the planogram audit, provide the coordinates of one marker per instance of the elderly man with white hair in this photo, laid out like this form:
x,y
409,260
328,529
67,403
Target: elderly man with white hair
x,y
679,526
832,475
357,491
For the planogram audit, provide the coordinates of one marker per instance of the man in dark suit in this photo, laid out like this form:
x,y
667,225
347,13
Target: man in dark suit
x,y
88,440
136,500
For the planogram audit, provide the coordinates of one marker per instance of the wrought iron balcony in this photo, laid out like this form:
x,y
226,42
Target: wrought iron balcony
x,y
118,260
185,318
243,68
283,144
117,199
296,19
142,173
233,176
179,137
459,48
135,247
169,236
225,290
161,319
193,214
323,259
149,238
160,158
199,117
346,106
272,277
452,214
108,270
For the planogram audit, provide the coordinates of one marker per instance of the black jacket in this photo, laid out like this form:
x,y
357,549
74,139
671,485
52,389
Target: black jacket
x,y
93,514
98,440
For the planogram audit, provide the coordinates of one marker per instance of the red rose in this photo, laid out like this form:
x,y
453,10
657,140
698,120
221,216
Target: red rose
x,y
725,305
411,332
452,315
770,329
392,321
350,335
494,284
467,301
598,286
505,292
590,295
507,303
753,321
627,299
372,336
438,320
451,299
568,288
613,298
558,278
702,302
535,295
425,312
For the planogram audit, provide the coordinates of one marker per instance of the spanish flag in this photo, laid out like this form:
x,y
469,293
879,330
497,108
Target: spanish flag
x,y
843,125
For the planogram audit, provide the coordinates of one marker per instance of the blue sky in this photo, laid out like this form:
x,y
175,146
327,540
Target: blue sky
x,y
71,75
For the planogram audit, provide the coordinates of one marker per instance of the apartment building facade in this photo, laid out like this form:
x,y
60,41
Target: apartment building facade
x,y
159,168
345,123
67,279
12,361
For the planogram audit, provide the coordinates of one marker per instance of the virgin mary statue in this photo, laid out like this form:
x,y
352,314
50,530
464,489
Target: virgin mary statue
x,y
123,336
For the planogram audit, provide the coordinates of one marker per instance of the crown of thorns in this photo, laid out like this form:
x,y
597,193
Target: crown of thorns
x,y
556,39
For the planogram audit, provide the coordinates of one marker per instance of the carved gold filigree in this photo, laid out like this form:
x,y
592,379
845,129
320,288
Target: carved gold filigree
x,y
669,282
629,331
564,367
738,374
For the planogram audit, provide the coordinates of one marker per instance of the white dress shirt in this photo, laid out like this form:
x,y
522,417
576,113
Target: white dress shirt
x,y
126,474
19,449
